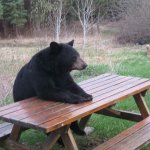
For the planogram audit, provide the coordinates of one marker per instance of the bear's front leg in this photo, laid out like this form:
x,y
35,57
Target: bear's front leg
x,y
74,88
60,95
48,91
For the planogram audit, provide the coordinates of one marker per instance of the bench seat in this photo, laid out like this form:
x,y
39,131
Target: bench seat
x,y
133,138
5,130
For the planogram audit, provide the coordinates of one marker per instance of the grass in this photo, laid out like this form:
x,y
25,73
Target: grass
x,y
129,63
127,60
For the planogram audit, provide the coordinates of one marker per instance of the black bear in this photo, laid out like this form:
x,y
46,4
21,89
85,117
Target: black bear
x,y
47,76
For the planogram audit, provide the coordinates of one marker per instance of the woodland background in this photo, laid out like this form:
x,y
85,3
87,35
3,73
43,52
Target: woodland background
x,y
59,18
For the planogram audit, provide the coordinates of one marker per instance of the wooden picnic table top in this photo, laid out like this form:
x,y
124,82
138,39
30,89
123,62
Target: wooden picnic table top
x,y
47,116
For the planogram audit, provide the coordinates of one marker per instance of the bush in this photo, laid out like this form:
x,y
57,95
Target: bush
x,y
135,25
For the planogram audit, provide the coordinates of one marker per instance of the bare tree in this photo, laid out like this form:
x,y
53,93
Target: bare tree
x,y
58,13
49,14
85,12
57,17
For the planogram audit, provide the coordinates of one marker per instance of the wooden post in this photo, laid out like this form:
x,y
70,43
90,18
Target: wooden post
x,y
148,50
121,114
51,140
139,99
66,136
12,142
69,140
144,93
15,133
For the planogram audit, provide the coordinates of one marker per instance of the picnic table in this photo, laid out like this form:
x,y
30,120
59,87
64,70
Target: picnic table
x,y
54,118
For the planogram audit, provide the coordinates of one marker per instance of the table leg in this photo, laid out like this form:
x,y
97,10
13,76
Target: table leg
x,y
139,99
51,140
66,136
144,92
69,140
12,143
15,133
121,114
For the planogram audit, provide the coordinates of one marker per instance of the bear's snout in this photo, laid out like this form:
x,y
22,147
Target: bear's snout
x,y
79,64
84,66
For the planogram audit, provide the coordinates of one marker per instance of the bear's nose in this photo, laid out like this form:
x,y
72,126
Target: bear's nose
x,y
84,66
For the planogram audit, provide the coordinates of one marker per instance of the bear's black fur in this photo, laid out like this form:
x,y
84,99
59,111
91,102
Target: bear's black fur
x,y
47,75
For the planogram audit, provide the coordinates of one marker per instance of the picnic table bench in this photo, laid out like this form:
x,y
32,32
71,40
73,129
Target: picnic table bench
x,y
54,118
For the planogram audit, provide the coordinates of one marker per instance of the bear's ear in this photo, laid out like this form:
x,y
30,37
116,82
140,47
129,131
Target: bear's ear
x,y
55,48
71,43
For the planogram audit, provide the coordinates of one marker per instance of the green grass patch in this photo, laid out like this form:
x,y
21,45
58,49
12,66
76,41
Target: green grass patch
x,y
91,71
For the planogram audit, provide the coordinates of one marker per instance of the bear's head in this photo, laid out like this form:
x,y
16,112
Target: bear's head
x,y
66,57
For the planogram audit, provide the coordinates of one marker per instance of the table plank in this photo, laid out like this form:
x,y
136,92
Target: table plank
x,y
108,78
16,108
26,112
30,100
102,78
118,87
94,78
113,84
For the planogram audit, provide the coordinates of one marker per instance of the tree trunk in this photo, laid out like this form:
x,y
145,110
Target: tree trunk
x,y
5,29
84,36
98,22
27,6
58,20
1,29
57,35
57,28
